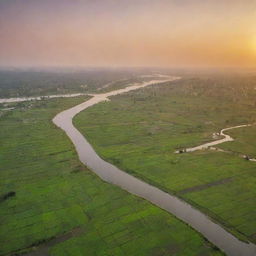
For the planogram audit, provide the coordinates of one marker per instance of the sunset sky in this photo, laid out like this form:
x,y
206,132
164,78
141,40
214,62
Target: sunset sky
x,y
171,33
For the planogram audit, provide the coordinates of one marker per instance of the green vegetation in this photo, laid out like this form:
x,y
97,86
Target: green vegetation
x,y
140,131
51,195
44,82
244,143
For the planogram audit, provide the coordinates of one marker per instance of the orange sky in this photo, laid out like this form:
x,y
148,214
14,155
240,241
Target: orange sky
x,y
172,33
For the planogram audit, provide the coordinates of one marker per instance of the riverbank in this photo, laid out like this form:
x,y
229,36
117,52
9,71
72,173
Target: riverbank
x,y
209,145
22,99
56,195
139,131
216,234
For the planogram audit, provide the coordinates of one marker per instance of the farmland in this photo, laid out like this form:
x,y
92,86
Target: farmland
x,y
140,131
51,202
127,128
242,144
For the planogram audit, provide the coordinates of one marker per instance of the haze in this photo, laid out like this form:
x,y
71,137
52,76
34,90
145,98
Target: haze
x,y
115,33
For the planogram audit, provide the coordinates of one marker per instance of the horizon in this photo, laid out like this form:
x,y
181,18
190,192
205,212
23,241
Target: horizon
x,y
69,68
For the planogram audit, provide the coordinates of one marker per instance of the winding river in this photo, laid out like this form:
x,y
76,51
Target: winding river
x,y
110,173
220,141
209,145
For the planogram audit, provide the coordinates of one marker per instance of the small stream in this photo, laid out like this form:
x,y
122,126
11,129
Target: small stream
x,y
209,145
220,141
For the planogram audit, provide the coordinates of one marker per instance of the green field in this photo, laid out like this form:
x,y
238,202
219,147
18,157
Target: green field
x,y
244,141
53,196
140,131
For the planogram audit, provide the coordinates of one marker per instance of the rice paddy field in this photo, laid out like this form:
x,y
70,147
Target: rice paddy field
x,y
50,204
140,131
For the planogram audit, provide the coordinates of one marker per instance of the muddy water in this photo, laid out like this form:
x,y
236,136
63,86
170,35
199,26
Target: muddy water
x,y
9,100
108,172
226,138
216,142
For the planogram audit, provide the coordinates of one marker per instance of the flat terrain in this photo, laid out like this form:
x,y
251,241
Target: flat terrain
x,y
245,141
50,200
140,131
45,82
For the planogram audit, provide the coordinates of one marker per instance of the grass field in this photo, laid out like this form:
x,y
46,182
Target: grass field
x,y
139,132
244,141
46,193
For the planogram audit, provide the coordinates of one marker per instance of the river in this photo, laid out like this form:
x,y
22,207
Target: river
x,y
110,173
21,99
